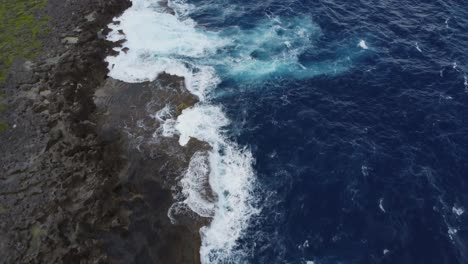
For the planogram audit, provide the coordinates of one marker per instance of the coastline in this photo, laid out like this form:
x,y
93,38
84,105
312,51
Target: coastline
x,y
219,182
79,182
149,180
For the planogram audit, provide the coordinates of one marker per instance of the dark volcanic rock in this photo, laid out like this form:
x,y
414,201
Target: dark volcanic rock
x,y
84,175
57,176
154,165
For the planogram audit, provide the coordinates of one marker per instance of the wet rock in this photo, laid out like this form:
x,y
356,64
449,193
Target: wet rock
x,y
154,165
45,93
91,17
70,40
28,65
40,107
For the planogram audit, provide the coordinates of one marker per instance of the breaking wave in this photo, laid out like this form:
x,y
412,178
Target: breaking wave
x,y
156,41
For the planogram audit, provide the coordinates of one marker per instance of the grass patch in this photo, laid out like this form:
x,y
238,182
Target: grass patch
x,y
3,127
20,29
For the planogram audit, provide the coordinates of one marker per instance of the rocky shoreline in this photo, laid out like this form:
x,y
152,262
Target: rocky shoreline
x,y
82,179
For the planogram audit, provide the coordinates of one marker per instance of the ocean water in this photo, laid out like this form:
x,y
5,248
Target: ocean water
x,y
339,129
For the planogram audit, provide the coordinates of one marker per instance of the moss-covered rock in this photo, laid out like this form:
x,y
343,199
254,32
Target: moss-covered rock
x,y
3,127
19,31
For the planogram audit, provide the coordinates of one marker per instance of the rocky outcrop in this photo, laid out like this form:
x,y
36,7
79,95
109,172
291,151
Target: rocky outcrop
x,y
84,175
154,165
57,176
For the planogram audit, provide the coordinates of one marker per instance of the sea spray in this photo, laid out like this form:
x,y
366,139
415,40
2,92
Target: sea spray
x,y
159,42
194,186
231,178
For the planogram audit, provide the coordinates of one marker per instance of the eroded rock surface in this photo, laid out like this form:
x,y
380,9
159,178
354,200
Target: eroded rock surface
x,y
154,164
56,174
86,175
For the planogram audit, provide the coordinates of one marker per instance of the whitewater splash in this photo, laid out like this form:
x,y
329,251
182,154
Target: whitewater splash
x,y
231,178
159,41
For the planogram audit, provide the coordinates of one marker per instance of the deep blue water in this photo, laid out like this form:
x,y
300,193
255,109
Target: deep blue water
x,y
388,128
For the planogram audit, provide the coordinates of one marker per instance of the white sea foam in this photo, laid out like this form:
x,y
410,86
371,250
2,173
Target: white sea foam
x,y
194,186
202,122
167,127
417,47
465,82
159,42
452,232
458,210
231,178
365,170
362,44
271,47
381,200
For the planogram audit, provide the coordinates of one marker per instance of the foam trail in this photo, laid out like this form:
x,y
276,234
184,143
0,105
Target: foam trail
x,y
160,42
363,45
194,186
231,178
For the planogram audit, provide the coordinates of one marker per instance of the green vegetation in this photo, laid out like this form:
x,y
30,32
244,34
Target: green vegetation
x,y
3,127
37,234
20,29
